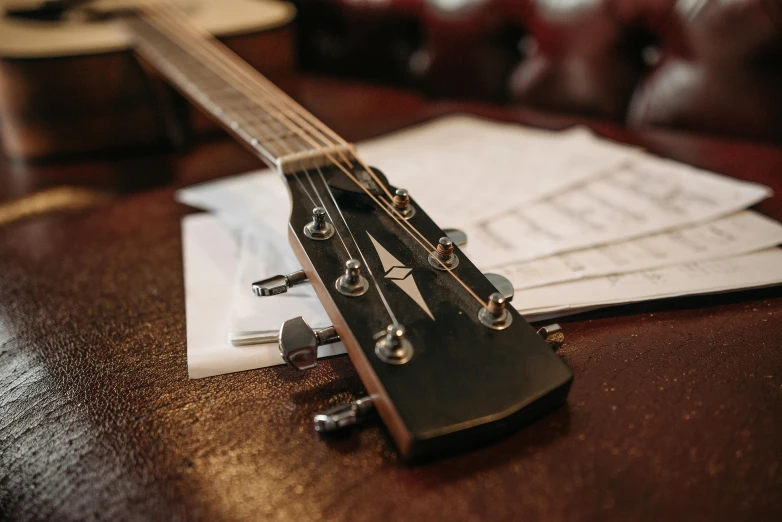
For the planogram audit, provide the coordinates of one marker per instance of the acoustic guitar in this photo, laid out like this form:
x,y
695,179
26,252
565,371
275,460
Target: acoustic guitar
x,y
70,85
446,360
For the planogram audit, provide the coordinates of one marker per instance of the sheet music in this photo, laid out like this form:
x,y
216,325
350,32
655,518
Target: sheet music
x,y
754,270
649,196
258,199
740,233
260,256
627,227
216,270
462,168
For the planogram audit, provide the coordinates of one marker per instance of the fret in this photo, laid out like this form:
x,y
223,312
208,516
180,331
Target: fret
x,y
281,137
278,136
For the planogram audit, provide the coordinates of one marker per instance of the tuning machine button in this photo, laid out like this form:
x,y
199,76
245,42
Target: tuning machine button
x,y
459,237
319,229
344,415
278,284
299,343
553,335
502,284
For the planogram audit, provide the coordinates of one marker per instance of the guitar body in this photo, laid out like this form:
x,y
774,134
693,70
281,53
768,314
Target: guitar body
x,y
70,86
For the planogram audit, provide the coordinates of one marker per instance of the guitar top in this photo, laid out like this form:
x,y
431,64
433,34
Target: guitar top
x,y
89,28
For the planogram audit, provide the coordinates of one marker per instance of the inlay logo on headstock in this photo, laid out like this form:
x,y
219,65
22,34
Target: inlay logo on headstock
x,y
401,275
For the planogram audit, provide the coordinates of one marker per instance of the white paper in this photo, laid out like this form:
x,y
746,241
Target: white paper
x,y
258,199
441,163
262,255
616,210
211,261
462,168
754,270
649,196
740,233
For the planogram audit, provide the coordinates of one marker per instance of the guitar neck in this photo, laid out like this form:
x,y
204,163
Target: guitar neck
x,y
281,132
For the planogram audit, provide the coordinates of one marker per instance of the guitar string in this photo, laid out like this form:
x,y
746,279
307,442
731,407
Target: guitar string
x,y
277,114
364,259
383,298
243,68
187,25
258,80
386,305
320,198
250,73
282,145
148,34
287,147
254,77
344,220
402,223
178,18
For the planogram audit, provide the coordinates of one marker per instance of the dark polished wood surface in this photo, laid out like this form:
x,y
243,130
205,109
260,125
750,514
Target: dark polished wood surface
x,y
675,412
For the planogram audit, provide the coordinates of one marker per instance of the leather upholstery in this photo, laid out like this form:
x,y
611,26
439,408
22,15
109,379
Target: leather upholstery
x,y
700,65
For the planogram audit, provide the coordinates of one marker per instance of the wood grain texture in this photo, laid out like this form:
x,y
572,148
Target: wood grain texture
x,y
674,412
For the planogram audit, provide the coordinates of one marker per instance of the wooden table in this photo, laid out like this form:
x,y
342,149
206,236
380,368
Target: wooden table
x,y
675,413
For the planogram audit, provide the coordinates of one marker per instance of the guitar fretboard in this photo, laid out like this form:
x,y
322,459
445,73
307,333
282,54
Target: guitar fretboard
x,y
281,132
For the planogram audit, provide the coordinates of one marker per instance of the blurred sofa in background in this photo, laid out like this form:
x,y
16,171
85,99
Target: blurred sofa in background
x,y
712,66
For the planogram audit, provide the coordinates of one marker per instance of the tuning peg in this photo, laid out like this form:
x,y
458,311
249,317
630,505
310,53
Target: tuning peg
x,y
299,343
344,415
278,284
553,335
402,203
502,284
459,237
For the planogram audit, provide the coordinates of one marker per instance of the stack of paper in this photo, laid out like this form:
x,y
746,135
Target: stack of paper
x,y
574,221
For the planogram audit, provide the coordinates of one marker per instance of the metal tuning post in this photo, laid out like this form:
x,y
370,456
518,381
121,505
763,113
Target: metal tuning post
x,y
299,343
444,258
352,283
319,229
494,315
402,203
344,415
553,335
392,346
278,284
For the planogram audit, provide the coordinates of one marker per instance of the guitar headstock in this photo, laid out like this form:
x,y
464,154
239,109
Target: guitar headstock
x,y
446,366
